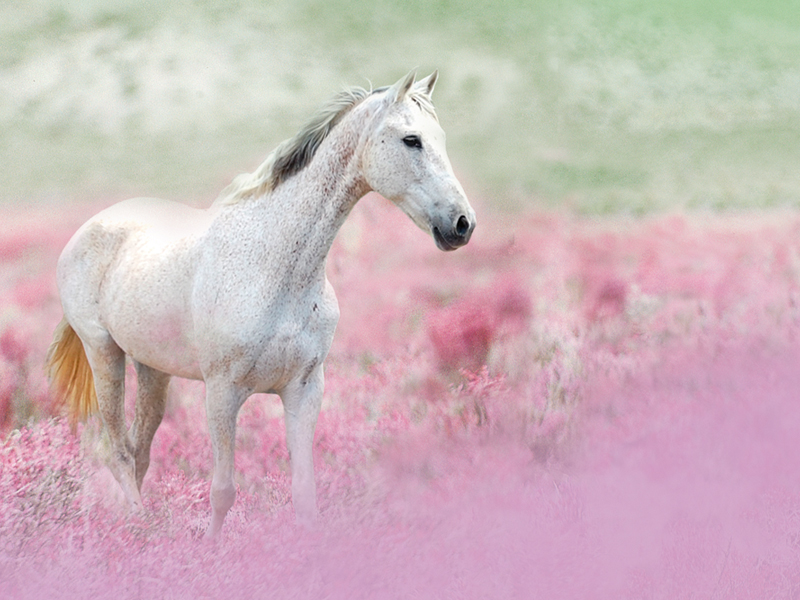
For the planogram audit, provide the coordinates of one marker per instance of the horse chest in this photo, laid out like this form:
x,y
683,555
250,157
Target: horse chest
x,y
267,344
294,345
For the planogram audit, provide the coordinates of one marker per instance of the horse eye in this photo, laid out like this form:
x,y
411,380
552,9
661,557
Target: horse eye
x,y
413,141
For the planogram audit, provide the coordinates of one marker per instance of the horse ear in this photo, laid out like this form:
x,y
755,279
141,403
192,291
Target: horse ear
x,y
429,82
401,87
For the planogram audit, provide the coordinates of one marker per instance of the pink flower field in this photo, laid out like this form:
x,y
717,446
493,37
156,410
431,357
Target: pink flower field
x,y
565,408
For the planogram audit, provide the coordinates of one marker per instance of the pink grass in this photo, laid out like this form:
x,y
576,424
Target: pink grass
x,y
562,409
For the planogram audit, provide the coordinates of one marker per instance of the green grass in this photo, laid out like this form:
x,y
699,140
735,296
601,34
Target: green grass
x,y
616,107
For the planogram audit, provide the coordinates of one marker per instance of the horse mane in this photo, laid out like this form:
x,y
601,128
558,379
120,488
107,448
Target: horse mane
x,y
294,154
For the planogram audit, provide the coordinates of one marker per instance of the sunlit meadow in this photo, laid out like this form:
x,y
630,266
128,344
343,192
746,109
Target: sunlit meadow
x,y
596,398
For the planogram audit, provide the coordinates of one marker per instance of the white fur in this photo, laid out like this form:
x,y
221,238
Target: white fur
x,y
236,295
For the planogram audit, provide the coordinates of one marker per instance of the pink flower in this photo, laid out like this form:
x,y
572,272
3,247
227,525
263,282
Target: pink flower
x,y
12,346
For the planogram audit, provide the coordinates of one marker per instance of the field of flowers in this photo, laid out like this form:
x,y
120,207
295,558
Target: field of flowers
x,y
569,407
566,408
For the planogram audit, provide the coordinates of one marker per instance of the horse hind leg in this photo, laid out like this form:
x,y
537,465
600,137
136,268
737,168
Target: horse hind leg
x,y
108,367
151,400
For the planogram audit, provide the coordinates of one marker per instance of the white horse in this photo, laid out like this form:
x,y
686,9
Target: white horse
x,y
236,295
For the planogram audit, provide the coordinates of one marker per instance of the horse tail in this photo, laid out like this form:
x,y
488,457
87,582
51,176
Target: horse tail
x,y
70,374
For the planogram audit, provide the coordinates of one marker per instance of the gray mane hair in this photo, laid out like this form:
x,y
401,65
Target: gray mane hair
x,y
294,154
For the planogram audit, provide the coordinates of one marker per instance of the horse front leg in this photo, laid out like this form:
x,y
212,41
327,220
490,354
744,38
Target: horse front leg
x,y
222,405
302,400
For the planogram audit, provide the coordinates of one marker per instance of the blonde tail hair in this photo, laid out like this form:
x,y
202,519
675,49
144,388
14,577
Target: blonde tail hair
x,y
70,374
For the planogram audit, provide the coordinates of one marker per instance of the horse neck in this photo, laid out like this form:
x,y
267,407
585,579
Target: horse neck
x,y
333,182
303,214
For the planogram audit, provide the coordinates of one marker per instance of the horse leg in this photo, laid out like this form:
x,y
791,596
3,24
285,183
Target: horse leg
x,y
222,405
302,400
108,367
151,400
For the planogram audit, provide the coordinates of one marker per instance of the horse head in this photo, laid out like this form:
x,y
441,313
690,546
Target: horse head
x,y
405,161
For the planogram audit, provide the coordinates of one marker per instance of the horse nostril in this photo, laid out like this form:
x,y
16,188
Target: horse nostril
x,y
462,226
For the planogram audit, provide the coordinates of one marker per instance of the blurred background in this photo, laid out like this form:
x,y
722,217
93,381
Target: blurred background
x,y
622,106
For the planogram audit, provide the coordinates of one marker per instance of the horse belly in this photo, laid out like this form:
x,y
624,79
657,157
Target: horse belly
x,y
146,310
160,342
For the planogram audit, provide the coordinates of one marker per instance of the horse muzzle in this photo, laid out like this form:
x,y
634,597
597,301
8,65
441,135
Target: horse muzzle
x,y
454,236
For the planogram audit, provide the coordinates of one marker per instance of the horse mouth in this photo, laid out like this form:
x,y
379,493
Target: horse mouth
x,y
442,243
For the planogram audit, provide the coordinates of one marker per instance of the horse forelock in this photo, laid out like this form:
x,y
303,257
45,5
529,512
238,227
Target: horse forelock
x,y
424,102
294,154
